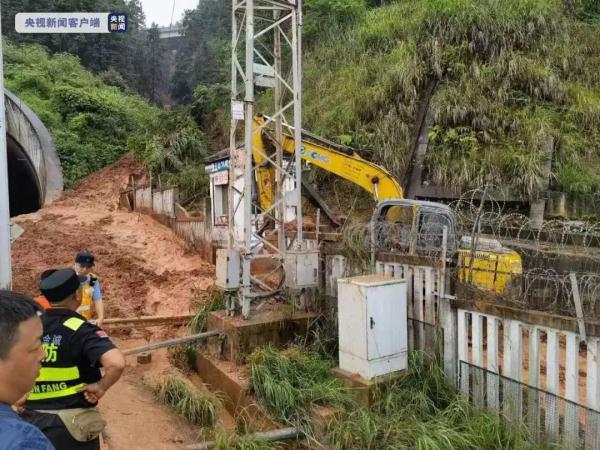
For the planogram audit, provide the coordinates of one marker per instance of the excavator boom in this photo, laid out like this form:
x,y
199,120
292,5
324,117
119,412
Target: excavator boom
x,y
412,226
320,153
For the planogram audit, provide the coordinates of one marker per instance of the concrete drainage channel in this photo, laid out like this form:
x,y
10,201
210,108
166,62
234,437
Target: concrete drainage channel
x,y
219,362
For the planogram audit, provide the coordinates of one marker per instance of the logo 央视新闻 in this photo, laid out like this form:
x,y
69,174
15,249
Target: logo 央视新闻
x,y
117,23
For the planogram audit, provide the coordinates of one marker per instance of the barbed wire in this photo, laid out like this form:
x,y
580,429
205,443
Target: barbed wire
x,y
546,290
547,239
549,250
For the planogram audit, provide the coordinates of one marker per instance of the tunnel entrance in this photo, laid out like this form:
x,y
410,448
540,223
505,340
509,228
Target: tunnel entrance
x,y
23,186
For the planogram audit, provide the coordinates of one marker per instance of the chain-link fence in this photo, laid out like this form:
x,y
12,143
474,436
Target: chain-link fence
x,y
549,418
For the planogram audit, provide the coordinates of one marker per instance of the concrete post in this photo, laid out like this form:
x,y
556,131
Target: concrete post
x,y
537,206
536,213
5,254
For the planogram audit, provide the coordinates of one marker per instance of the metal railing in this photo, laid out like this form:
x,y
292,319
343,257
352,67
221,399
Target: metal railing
x,y
549,418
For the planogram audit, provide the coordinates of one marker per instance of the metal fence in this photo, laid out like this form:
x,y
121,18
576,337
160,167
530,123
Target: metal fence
x,y
546,290
550,419
541,236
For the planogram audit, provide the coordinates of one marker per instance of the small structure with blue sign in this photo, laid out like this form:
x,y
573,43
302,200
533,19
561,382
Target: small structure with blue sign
x,y
217,168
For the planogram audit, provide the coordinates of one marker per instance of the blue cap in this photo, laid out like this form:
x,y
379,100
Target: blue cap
x,y
85,259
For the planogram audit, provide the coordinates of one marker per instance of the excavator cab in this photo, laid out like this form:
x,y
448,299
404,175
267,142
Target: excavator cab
x,y
413,227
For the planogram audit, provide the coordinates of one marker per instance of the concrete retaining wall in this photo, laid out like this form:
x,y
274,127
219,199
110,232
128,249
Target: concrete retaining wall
x,y
28,130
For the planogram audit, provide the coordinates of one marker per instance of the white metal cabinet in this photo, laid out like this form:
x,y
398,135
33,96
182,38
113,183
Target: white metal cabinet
x,y
228,269
372,325
301,269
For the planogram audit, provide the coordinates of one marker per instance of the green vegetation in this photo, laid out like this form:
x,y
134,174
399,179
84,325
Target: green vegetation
x,y
197,407
184,356
127,60
214,302
174,150
419,411
508,80
90,121
204,56
290,383
422,411
93,124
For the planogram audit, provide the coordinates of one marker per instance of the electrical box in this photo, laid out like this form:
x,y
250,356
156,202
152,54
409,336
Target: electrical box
x,y
372,325
228,269
301,269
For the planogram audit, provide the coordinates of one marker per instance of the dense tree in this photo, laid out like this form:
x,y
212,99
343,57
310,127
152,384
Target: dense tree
x,y
153,76
125,54
204,56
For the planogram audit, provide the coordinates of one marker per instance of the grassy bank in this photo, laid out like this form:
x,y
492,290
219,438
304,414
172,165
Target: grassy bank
x,y
508,81
420,411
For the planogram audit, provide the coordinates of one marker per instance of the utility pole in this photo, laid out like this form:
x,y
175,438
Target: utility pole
x,y
266,53
5,255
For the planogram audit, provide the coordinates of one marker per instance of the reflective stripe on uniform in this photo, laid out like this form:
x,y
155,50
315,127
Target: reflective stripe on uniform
x,y
58,374
73,323
56,394
87,298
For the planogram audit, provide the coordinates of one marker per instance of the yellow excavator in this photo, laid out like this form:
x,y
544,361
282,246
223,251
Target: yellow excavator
x,y
412,226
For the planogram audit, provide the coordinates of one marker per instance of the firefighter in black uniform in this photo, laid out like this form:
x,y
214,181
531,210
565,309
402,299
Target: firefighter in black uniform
x,y
62,402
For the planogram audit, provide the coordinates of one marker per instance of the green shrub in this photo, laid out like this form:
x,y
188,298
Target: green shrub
x,y
214,302
289,383
197,407
175,151
422,411
90,121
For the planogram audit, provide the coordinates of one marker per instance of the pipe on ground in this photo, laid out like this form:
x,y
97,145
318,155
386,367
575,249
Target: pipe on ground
x,y
270,436
170,343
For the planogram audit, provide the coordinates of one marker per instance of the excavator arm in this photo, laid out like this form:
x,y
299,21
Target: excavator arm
x,y
408,226
323,154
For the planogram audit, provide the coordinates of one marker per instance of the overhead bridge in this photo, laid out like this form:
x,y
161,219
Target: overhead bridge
x,y
34,172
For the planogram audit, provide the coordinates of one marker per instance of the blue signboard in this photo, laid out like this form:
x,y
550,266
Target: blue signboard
x,y
218,166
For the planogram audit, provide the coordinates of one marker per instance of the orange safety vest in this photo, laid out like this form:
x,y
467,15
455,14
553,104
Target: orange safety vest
x,y
87,298
43,302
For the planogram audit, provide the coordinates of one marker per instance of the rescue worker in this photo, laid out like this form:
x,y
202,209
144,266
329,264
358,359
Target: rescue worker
x,y
21,355
40,299
62,402
91,300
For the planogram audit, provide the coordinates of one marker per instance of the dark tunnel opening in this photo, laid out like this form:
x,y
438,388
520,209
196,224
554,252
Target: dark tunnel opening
x,y
23,187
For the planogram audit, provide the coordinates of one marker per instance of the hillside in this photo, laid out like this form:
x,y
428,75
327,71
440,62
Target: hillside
x,y
93,124
505,85
90,121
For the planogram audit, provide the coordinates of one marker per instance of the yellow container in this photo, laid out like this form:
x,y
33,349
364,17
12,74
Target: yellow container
x,y
492,270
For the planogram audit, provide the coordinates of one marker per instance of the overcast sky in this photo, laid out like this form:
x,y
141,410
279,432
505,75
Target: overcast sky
x,y
161,11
